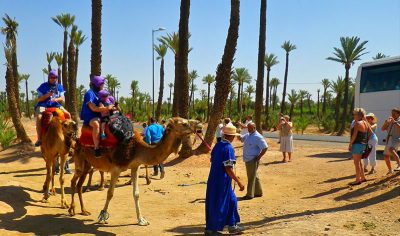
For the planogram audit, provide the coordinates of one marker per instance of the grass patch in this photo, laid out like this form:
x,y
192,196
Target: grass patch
x,y
368,225
349,226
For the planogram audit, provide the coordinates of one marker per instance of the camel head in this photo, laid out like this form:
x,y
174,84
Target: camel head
x,y
181,127
69,128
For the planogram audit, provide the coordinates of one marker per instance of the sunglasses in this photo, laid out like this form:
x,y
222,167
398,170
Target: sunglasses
x,y
53,77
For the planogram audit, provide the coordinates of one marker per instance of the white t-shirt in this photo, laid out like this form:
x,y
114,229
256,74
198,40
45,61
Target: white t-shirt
x,y
245,130
218,132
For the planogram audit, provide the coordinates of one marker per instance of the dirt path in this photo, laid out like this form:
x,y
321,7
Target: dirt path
x,y
309,196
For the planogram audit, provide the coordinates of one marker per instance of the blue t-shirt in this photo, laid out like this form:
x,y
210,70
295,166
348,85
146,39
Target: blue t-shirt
x,y
154,133
86,113
44,89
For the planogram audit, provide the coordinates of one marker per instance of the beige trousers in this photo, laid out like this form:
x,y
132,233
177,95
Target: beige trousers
x,y
253,182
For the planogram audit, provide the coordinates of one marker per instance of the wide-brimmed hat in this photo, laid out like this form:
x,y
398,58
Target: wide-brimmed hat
x,y
396,109
230,130
372,115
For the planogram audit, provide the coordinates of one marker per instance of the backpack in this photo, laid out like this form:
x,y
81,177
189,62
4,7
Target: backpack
x,y
121,127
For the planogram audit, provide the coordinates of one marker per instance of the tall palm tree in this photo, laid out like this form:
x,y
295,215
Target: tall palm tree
x,y
308,96
112,84
65,21
25,77
134,93
170,85
161,50
79,39
269,61
260,67
350,52
58,58
379,56
318,91
326,84
223,76
293,97
208,79
302,94
70,101
249,90
288,47
274,84
192,76
338,88
95,61
50,57
12,108
241,76
10,31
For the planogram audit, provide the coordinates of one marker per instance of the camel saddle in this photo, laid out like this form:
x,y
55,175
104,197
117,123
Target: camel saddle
x,y
86,138
48,114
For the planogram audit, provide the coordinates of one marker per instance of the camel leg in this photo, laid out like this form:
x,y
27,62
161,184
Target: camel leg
x,y
63,159
101,187
104,214
81,180
148,181
47,182
135,175
77,174
89,184
53,173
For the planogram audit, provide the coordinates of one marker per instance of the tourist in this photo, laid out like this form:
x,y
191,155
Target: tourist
x,y
154,133
254,148
105,101
221,201
244,126
218,132
50,94
392,125
163,124
358,143
144,125
373,142
286,137
90,113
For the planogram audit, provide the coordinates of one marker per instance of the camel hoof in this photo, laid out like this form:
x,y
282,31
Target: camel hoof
x,y
85,213
64,205
143,222
103,217
101,188
148,182
53,192
45,200
71,211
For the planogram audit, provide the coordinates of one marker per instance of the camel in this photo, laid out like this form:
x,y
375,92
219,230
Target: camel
x,y
136,153
57,141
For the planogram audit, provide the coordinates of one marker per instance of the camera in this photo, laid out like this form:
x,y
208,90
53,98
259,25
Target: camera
x,y
53,89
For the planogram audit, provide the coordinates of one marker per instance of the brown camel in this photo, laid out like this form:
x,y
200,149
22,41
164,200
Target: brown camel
x,y
57,141
128,157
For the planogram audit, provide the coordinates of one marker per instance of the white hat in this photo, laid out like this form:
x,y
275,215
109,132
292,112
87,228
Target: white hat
x,y
373,117
230,130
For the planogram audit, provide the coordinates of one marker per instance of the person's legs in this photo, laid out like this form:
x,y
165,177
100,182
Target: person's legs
x,y
258,189
95,124
394,154
284,156
251,178
38,129
372,155
155,170
358,167
102,130
162,171
290,156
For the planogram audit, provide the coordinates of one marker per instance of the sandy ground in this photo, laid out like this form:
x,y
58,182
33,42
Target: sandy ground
x,y
309,196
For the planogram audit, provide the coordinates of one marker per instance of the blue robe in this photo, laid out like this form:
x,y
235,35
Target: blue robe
x,y
221,201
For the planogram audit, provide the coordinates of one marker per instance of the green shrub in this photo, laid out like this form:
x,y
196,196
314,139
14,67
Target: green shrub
x,y
301,124
7,133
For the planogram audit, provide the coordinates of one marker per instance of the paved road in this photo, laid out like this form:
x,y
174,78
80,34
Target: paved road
x,y
324,138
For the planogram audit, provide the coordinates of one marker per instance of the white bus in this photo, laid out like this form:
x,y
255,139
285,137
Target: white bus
x,y
377,89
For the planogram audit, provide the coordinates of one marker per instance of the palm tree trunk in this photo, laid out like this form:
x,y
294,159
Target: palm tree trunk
x,y
324,103
76,63
12,106
161,91
285,84
318,104
15,77
95,61
175,102
309,105
238,98
260,70
223,75
301,107
267,101
169,101
274,102
72,105
27,100
64,64
346,101
337,114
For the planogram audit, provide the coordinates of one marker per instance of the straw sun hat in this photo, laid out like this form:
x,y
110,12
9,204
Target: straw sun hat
x,y
372,115
230,130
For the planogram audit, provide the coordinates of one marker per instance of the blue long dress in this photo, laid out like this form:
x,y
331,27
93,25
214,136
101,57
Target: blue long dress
x,y
221,201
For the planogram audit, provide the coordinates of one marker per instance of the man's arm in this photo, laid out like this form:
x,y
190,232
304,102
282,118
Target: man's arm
x,y
229,171
261,153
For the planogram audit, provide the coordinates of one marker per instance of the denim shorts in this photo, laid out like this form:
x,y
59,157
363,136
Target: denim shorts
x,y
358,148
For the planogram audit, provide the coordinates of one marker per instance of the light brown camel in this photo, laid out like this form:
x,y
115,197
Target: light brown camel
x,y
57,141
115,161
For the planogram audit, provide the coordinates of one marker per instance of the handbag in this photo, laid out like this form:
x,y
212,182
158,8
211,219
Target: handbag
x,y
368,149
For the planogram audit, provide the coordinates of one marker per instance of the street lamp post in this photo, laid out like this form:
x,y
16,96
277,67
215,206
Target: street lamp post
x,y
152,49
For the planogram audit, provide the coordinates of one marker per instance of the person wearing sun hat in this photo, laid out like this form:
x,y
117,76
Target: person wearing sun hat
x,y
392,125
50,94
373,142
221,201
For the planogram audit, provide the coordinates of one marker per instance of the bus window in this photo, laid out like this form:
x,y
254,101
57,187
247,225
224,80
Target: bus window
x,y
380,78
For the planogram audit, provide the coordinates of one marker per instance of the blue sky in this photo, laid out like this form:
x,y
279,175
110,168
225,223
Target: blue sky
x,y
314,26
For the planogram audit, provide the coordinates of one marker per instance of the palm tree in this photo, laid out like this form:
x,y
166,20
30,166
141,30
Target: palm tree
x,y
25,77
293,97
223,76
326,84
71,102
80,91
161,50
59,58
241,76
350,52
208,79
318,91
302,94
134,93
10,31
50,57
379,56
338,88
274,84
288,47
249,90
95,61
269,61
260,68
112,84
79,39
170,85
192,76
308,96
12,108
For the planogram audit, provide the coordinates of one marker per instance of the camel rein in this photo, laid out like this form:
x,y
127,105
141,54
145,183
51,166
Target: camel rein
x,y
202,140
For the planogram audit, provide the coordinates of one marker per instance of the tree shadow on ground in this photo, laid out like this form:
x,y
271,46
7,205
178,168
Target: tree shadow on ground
x,y
48,224
19,155
332,180
345,155
22,171
273,163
